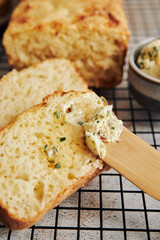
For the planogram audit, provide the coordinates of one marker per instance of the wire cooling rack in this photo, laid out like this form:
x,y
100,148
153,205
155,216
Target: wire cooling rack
x,y
109,207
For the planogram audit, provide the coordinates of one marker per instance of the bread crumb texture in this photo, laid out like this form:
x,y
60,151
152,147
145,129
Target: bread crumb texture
x,y
23,89
43,154
92,33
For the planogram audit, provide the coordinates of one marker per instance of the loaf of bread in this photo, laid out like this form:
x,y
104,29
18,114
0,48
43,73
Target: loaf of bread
x,y
23,89
44,158
91,33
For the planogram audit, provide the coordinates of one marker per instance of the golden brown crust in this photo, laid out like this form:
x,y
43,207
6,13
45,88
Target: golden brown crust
x,y
30,14
61,93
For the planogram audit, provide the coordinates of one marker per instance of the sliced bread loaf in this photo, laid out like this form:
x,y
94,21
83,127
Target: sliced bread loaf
x,y
91,33
23,89
44,158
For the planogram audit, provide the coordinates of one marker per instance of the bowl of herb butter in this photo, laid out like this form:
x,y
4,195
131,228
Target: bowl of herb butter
x,y
144,73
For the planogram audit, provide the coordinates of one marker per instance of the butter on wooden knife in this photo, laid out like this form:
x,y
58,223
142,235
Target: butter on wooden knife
x,y
124,151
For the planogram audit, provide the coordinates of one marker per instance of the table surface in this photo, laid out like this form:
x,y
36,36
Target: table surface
x,y
109,207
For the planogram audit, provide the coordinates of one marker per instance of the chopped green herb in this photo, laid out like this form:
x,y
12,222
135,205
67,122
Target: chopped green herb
x,y
141,65
155,51
57,127
104,135
57,114
112,127
103,100
96,117
88,136
63,139
71,106
142,55
98,156
108,112
97,121
55,150
150,54
58,165
80,123
50,161
45,148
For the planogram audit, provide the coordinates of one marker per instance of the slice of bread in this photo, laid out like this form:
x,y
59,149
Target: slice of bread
x,y
91,33
44,157
23,89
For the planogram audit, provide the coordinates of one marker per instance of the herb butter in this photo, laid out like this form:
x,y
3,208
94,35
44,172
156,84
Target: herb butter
x,y
149,59
102,126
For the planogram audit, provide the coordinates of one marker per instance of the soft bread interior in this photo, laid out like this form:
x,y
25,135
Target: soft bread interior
x,y
28,181
23,89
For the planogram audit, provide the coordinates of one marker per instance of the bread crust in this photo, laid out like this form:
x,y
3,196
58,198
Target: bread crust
x,y
14,223
93,34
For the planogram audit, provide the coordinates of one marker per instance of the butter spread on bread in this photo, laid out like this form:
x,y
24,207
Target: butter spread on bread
x,y
102,126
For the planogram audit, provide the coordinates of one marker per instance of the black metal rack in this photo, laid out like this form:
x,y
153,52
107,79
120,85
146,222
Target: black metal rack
x,y
109,207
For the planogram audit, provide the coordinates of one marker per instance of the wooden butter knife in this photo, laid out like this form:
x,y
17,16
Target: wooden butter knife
x,y
137,161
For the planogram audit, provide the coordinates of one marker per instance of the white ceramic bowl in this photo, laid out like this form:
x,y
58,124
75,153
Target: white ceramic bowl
x,y
145,89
